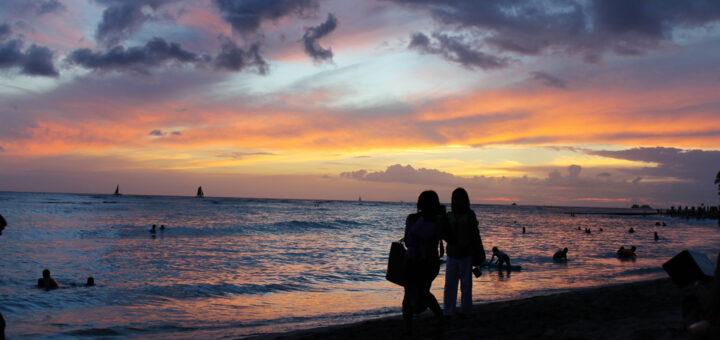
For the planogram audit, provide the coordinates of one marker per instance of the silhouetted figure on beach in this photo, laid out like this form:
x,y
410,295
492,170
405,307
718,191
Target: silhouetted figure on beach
x,y
601,229
501,258
578,228
162,227
47,281
701,308
631,230
626,253
3,224
463,238
423,232
588,231
523,230
560,255
153,230
656,236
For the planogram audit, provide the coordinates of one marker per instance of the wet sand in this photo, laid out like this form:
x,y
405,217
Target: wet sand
x,y
641,310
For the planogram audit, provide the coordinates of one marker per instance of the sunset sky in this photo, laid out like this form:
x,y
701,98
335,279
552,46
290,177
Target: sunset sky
x,y
563,102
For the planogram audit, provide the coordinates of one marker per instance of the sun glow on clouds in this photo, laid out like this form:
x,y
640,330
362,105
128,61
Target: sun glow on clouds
x,y
557,117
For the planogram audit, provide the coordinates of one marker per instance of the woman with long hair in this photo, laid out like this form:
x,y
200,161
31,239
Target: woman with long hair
x,y
423,231
461,235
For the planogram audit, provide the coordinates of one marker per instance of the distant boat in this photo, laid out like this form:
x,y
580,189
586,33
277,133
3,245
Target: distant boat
x,y
513,203
200,193
117,191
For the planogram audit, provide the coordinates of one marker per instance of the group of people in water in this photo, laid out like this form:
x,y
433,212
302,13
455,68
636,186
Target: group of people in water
x,y
47,282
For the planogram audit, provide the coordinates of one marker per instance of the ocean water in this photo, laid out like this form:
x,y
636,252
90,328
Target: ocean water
x,y
233,267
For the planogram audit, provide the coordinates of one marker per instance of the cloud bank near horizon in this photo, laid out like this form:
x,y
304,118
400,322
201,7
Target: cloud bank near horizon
x,y
284,85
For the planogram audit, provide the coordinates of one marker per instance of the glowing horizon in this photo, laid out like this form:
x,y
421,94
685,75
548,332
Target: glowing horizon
x,y
389,99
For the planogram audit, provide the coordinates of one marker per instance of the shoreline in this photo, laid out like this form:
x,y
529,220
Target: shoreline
x,y
640,310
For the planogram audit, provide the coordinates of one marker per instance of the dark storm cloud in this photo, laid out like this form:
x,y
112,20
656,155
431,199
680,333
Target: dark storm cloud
x,y
5,31
692,165
31,7
573,26
136,59
156,133
34,61
548,80
246,16
50,6
122,19
235,58
454,49
313,34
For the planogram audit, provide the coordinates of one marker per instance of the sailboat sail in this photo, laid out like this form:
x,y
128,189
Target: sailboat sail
x,y
117,191
200,192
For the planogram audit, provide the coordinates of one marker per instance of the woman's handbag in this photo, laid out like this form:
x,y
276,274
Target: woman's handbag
x,y
396,264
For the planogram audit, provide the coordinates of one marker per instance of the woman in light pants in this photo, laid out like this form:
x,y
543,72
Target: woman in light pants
x,y
460,234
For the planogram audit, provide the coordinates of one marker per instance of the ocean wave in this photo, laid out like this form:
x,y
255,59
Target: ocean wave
x,y
639,271
188,291
295,225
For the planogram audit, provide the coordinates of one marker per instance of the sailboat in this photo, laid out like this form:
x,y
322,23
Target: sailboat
x,y
200,193
117,191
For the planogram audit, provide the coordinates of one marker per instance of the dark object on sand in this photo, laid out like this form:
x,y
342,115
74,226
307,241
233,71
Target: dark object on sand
x,y
656,236
3,224
90,282
631,230
688,267
396,264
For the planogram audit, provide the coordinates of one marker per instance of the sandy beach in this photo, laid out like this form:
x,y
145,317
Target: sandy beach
x,y
641,310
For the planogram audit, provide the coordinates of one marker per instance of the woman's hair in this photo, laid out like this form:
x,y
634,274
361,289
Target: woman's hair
x,y
460,201
428,203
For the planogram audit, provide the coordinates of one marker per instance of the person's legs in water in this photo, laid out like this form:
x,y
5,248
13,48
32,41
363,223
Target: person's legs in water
x,y
452,275
466,284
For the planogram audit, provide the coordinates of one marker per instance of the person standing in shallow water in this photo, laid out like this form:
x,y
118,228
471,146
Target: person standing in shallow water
x,y
461,234
423,232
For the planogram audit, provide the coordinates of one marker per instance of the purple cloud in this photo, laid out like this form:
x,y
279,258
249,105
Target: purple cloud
x,y
313,34
453,48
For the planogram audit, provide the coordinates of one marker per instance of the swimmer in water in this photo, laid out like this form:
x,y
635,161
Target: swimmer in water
x,y
561,255
501,257
626,253
47,281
